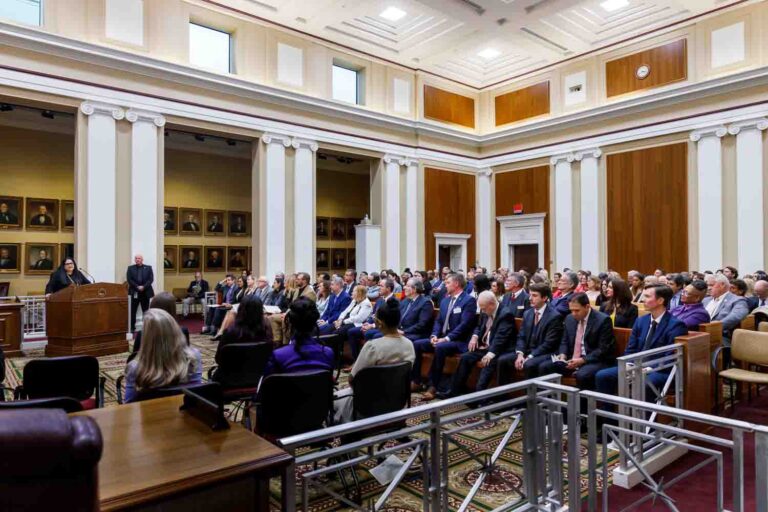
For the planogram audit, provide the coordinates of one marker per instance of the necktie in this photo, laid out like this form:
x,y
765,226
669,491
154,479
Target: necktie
x,y
448,315
536,318
577,347
651,332
487,335
762,303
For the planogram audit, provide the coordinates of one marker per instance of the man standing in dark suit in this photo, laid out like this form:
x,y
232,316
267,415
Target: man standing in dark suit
x,y
587,346
516,298
450,333
140,278
538,339
565,285
494,335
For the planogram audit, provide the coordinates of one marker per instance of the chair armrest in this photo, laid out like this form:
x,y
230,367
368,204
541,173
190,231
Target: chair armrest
x,y
210,372
100,392
119,389
715,356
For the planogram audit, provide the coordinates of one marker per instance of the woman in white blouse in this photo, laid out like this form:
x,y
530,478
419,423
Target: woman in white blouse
x,y
357,312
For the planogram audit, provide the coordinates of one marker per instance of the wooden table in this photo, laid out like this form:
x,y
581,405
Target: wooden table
x,y
159,458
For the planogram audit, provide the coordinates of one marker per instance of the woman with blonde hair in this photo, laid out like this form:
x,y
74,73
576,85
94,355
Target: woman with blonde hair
x,y
164,358
594,288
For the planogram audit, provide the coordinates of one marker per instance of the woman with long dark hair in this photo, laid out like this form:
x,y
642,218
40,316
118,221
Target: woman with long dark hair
x,y
619,304
250,325
277,297
66,275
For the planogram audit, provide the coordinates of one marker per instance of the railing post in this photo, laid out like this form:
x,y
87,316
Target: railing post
x,y
574,443
530,447
738,470
591,455
761,471
625,390
288,480
435,484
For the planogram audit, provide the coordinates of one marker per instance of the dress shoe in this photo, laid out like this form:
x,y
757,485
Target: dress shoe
x,y
216,338
430,394
442,395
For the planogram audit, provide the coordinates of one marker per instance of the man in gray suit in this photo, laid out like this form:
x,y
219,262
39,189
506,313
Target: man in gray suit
x,y
723,306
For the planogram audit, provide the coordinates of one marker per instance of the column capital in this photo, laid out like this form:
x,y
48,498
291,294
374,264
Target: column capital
x,y
394,159
274,138
588,153
89,108
761,123
568,157
485,172
409,162
304,143
139,116
713,131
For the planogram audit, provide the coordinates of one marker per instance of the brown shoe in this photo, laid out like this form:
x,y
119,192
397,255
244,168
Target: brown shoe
x,y
431,394
415,388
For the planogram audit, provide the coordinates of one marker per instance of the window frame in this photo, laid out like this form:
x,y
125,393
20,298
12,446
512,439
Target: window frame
x,y
40,17
230,47
359,81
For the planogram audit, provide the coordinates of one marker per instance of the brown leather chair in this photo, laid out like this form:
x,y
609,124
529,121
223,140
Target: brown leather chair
x,y
48,459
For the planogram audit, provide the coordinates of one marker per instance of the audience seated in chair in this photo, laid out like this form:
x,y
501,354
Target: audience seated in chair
x,y
356,334
164,359
251,289
515,298
760,297
416,313
195,293
337,303
166,302
723,306
276,297
566,286
636,282
250,325
618,304
392,347
215,316
450,333
355,314
300,288
691,310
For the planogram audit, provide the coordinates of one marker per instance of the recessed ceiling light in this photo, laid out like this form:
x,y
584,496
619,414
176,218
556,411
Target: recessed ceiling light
x,y
614,5
392,13
489,53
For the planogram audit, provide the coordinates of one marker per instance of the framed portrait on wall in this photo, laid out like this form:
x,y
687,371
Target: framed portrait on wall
x,y
67,250
40,258
351,233
171,220
42,214
322,259
214,259
190,256
239,223
338,229
351,259
322,228
10,258
190,219
67,215
339,260
171,258
214,223
11,212
237,259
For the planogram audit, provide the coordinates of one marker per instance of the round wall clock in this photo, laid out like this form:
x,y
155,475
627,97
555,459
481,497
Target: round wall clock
x,y
642,71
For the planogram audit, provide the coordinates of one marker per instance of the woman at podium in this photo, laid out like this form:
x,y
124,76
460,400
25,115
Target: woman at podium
x,y
66,275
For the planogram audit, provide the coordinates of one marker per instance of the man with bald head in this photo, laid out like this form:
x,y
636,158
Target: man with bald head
x,y
140,278
760,298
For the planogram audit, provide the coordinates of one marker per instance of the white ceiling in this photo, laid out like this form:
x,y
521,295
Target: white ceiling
x,y
445,36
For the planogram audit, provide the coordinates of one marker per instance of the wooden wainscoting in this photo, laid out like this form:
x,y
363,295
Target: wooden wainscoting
x,y
448,107
668,64
522,104
450,208
647,223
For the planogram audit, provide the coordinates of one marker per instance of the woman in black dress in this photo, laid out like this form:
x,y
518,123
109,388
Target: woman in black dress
x,y
66,275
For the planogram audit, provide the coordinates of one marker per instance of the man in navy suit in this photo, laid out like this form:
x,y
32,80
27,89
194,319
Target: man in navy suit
x,y
450,334
356,334
760,298
657,329
565,284
539,337
515,298
337,303
415,313
587,346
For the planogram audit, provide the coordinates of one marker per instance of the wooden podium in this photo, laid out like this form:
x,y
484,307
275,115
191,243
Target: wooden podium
x,y
90,319
10,328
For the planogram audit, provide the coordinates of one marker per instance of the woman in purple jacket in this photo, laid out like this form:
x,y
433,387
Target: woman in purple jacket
x,y
304,352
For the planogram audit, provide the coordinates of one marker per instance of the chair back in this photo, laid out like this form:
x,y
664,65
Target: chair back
x,y
763,327
208,390
750,347
72,376
381,390
48,461
294,403
241,365
65,403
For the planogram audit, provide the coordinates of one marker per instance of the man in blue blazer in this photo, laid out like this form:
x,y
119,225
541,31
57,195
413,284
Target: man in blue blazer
x,y
516,298
656,329
337,303
415,313
450,334
566,285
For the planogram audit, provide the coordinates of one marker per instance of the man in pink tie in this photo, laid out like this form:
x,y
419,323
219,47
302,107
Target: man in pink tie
x,y
587,346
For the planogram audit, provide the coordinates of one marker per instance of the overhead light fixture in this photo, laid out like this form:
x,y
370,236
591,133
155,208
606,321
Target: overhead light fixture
x,y
199,138
392,13
231,142
5,107
489,53
614,5
47,114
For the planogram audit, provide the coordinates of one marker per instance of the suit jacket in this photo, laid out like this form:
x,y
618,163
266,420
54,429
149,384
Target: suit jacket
x,y
675,300
599,341
8,218
140,277
503,331
224,289
8,263
336,305
754,302
190,226
461,319
45,264
191,263
42,220
204,287
668,329
731,312
216,227
561,304
542,339
519,305
624,320
417,322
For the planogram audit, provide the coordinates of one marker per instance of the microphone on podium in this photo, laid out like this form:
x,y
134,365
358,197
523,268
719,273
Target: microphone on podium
x,y
87,274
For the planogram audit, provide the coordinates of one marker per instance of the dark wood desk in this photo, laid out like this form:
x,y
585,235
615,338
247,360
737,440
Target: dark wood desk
x,y
158,458
10,328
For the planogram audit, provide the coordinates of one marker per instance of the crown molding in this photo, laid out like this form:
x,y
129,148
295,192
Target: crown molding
x,y
759,124
710,131
105,109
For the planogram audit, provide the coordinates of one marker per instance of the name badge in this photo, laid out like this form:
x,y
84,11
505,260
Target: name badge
x,y
520,307
456,311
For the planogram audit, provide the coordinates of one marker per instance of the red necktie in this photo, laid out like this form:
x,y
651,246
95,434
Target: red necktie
x,y
536,318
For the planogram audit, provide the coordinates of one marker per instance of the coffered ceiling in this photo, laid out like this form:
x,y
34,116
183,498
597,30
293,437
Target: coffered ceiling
x,y
476,42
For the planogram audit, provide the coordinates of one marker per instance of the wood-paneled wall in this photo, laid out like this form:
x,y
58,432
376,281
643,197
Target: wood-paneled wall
x,y
448,107
647,219
523,103
450,209
527,186
668,63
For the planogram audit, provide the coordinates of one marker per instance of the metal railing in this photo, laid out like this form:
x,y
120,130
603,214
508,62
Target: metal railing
x,y
32,314
211,298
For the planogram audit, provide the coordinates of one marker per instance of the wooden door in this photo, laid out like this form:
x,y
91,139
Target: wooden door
x,y
526,257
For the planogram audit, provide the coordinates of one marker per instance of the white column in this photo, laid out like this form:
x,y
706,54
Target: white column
x,y
484,226
749,193
563,206
304,206
273,196
411,214
590,225
392,211
145,185
710,196
100,190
